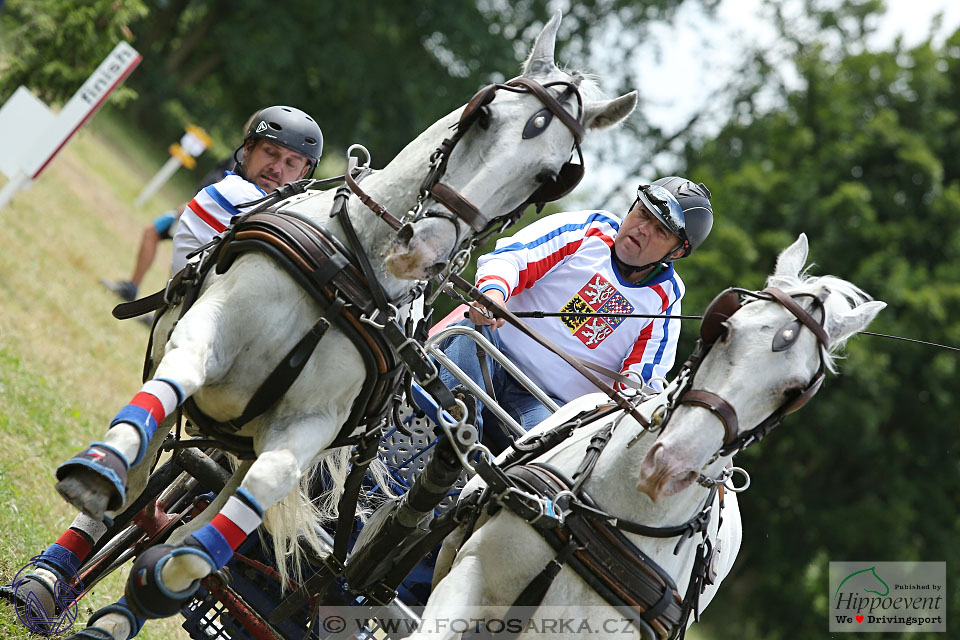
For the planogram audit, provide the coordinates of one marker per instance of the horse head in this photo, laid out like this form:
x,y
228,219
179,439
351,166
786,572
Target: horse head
x,y
766,357
512,145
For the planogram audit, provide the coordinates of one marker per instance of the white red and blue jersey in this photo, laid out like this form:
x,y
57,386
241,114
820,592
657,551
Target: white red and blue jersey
x,y
563,263
209,213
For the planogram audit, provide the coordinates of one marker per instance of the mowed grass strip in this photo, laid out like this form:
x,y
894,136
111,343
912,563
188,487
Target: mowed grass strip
x,y
66,365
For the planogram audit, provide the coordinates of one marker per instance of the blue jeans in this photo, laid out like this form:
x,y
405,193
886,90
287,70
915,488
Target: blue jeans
x,y
509,394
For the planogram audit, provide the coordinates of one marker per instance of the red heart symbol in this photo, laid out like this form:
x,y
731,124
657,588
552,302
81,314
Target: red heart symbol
x,y
859,618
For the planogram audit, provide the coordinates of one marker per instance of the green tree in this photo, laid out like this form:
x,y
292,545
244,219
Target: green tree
x,y
372,72
52,46
863,157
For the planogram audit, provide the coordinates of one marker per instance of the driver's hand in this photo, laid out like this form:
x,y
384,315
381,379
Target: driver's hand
x,y
479,314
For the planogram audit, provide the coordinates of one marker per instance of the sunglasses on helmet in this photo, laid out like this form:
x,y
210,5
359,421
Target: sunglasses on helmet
x,y
665,207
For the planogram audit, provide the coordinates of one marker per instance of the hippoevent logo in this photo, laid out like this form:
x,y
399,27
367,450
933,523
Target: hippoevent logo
x,y
888,596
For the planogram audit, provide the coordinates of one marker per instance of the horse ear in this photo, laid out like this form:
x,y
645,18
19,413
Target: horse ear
x,y
540,62
841,326
601,114
792,258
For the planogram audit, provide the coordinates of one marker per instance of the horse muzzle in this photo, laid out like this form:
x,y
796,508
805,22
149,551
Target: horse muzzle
x,y
666,471
421,250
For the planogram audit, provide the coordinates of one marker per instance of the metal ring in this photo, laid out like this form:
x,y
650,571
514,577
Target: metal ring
x,y
360,147
658,418
631,392
732,487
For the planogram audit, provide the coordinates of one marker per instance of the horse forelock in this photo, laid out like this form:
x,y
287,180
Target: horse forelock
x,y
842,296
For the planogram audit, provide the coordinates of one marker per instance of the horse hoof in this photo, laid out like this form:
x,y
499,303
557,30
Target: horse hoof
x,y
146,594
87,492
34,600
94,480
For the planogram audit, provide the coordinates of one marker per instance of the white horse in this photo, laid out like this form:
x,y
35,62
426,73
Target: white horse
x,y
504,553
248,318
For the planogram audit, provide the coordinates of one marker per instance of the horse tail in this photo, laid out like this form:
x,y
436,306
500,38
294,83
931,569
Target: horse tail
x,y
295,522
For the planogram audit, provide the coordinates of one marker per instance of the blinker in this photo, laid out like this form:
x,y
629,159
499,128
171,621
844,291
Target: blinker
x,y
787,335
718,311
537,123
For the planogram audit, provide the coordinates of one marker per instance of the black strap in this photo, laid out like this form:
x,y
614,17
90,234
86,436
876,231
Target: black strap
x,y
364,453
598,443
533,594
342,213
285,373
485,372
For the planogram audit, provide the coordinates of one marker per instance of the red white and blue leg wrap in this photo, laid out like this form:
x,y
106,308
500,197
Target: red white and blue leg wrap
x,y
72,548
240,516
214,542
157,399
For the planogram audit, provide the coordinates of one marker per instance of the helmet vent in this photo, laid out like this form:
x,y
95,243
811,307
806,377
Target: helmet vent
x,y
275,126
310,140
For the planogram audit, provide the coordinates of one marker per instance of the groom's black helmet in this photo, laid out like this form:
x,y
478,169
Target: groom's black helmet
x,y
289,127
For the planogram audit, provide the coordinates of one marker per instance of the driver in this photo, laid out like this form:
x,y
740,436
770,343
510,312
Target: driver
x,y
586,262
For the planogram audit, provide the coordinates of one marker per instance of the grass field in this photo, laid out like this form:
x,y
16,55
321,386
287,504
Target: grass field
x,y
66,365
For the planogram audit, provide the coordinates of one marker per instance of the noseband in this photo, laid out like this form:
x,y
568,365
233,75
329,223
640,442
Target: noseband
x,y
712,329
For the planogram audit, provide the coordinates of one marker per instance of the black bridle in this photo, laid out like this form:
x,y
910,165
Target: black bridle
x,y
712,329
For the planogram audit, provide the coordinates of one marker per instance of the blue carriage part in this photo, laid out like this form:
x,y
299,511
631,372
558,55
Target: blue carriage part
x,y
425,402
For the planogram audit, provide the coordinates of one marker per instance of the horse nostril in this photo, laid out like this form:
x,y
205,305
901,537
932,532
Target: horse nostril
x,y
405,234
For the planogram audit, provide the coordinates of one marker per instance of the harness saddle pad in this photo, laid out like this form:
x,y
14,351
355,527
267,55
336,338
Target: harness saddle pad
x,y
628,574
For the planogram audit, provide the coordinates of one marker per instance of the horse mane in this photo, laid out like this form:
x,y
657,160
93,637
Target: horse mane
x,y
843,296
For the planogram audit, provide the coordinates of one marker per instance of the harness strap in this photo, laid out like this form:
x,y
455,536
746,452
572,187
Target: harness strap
x,y
458,205
285,373
485,372
622,574
364,454
800,313
718,406
365,198
341,213
535,591
596,446
587,508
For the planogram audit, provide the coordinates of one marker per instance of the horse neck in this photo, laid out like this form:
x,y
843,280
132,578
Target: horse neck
x,y
396,187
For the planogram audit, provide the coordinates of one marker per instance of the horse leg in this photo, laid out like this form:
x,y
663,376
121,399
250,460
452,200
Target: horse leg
x,y
118,620
163,580
94,481
42,580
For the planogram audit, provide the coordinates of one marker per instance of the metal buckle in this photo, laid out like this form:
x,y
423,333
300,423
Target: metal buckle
x,y
371,320
381,594
544,506
190,276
